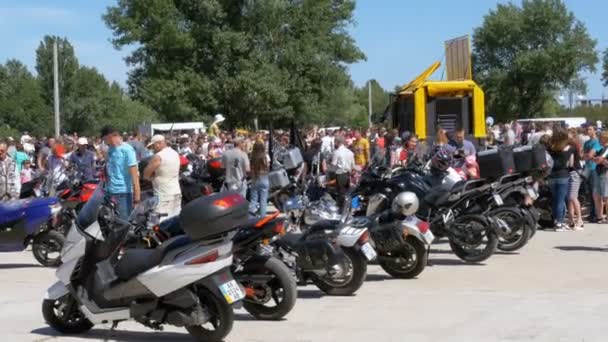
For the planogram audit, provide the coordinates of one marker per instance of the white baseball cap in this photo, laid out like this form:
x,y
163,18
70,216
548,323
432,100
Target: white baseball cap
x,y
83,141
219,118
156,138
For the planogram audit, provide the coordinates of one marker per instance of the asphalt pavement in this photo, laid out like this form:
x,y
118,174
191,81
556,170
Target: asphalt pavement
x,y
554,289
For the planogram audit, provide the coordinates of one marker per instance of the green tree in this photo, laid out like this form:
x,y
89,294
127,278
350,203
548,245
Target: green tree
x,y
524,54
605,68
67,67
21,105
271,59
380,98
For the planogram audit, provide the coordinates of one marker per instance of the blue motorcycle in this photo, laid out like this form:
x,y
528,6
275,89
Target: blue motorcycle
x,y
30,222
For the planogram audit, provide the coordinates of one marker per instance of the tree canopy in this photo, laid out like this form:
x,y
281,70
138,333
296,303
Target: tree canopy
x,y
524,54
271,59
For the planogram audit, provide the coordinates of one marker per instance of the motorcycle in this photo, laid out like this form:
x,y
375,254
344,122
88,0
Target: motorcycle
x,y
266,279
333,257
30,222
445,202
186,282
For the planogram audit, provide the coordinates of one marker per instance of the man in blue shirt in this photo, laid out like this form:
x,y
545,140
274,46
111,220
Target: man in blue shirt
x,y
590,149
122,175
83,160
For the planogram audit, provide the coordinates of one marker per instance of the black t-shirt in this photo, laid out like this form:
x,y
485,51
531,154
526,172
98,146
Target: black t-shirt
x,y
560,162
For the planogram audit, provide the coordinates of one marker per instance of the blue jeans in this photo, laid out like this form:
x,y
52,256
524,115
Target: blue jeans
x,y
259,196
559,190
124,204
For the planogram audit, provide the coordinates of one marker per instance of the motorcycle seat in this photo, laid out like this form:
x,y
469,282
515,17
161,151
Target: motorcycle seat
x,y
138,260
290,240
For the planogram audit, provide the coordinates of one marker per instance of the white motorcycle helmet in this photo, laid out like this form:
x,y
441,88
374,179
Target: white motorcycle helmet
x,y
406,203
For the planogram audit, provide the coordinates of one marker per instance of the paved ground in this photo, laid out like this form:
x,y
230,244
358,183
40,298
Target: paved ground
x,y
554,290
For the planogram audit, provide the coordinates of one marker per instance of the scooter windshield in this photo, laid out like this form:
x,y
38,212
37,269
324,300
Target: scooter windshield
x,y
90,211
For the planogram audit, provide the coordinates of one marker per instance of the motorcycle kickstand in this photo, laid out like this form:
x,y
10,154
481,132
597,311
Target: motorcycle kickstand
x,y
428,254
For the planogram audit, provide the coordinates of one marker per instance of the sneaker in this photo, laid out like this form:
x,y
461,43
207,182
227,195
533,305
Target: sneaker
x,y
560,227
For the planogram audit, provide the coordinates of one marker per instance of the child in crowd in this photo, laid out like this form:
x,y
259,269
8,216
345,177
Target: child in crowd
x,y
26,172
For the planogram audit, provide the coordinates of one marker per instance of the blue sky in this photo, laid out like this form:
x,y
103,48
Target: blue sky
x,y
400,37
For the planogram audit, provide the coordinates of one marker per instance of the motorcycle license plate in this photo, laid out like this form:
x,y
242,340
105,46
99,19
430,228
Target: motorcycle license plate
x,y
497,199
532,193
368,251
232,291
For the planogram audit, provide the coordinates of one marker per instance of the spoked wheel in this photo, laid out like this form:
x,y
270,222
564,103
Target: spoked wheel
x,y
472,238
64,315
47,248
348,279
275,299
220,324
520,230
412,258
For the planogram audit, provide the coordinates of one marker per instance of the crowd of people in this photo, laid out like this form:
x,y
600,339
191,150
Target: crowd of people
x,y
579,157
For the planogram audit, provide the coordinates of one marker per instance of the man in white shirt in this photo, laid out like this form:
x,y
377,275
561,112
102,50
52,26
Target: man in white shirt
x,y
163,171
327,142
343,163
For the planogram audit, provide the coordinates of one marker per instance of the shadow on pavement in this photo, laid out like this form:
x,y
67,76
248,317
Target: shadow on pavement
x,y
441,251
506,253
451,262
581,249
378,277
310,294
121,335
15,266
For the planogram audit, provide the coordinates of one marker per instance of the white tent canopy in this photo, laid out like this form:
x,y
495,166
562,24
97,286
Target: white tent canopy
x,y
173,126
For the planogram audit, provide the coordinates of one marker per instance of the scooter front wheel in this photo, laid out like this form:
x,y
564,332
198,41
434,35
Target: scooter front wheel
x,y
220,324
64,315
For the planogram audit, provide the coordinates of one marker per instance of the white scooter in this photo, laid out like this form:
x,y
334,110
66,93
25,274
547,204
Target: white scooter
x,y
186,282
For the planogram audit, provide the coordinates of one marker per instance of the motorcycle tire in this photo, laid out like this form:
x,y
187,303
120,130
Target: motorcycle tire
x,y
284,284
48,241
520,230
531,221
68,319
421,255
490,246
358,263
222,320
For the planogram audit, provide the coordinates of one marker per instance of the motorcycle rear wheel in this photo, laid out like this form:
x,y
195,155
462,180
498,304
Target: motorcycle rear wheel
x,y
357,264
415,248
520,230
45,243
284,293
64,315
222,320
478,228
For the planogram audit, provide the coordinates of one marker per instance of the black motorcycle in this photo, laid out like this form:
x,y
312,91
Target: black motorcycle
x,y
316,257
270,286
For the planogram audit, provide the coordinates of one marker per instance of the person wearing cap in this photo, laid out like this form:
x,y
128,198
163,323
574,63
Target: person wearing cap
x,y
121,172
214,128
163,172
83,160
